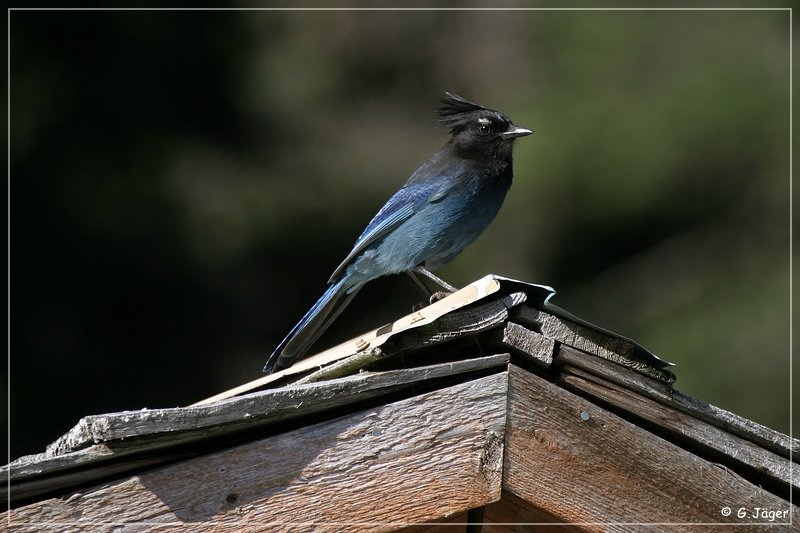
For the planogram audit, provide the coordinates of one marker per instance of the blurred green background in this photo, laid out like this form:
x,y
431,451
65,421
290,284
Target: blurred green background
x,y
183,184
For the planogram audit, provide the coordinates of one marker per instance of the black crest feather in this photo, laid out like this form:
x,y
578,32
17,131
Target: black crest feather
x,y
455,107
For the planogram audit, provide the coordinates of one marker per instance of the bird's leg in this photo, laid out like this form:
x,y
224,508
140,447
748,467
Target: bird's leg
x,y
432,296
421,284
424,288
429,294
434,278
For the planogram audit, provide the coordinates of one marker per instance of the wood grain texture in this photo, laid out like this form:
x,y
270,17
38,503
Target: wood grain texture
x,y
123,438
593,340
585,465
531,346
761,466
763,436
468,321
275,404
416,460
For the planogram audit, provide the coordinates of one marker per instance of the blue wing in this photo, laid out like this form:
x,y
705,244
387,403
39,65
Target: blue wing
x,y
397,210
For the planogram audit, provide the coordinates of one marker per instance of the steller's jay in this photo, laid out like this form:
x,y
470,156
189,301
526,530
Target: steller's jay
x,y
444,206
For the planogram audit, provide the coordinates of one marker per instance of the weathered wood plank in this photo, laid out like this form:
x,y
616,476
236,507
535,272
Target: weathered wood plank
x,y
469,320
266,404
103,445
415,460
765,437
594,340
470,294
456,324
761,466
585,465
534,347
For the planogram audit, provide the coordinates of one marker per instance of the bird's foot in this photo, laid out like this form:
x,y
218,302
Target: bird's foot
x,y
438,295
435,297
419,271
432,296
434,278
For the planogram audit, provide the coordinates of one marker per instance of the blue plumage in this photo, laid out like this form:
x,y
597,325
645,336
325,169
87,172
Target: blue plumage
x,y
445,205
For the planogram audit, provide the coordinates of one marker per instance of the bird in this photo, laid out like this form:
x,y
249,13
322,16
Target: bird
x,y
442,208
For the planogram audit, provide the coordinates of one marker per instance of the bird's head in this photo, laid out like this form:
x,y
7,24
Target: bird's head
x,y
477,131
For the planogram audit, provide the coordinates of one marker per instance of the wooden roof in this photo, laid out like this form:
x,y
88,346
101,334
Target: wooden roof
x,y
490,406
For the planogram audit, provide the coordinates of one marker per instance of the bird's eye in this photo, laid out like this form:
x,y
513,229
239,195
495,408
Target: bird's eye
x,y
484,129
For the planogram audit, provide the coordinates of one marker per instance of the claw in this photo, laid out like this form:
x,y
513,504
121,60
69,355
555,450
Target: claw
x,y
439,295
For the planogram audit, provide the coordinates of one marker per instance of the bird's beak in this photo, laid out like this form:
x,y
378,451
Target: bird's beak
x,y
515,132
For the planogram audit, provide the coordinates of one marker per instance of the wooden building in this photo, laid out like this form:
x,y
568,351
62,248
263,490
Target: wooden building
x,y
489,410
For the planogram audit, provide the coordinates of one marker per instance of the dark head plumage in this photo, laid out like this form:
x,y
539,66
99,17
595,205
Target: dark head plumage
x,y
455,107
478,132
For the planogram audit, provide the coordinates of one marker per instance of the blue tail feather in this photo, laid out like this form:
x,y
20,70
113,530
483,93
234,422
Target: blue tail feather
x,y
313,324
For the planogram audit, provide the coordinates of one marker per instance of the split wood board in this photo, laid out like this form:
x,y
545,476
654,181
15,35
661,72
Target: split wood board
x,y
622,378
762,467
417,460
